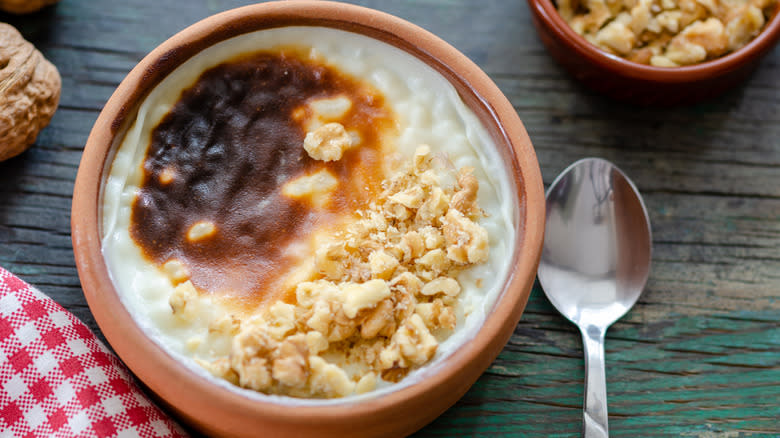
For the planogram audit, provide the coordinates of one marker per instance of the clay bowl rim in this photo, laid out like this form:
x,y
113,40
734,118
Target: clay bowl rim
x,y
760,45
137,349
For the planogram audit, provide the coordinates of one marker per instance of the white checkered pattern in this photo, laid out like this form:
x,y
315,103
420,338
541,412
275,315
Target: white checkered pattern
x,y
58,380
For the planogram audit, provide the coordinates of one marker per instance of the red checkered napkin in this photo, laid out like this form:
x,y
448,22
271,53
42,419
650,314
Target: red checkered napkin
x,y
58,379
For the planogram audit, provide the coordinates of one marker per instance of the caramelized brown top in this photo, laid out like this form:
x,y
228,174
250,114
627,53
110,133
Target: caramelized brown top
x,y
221,156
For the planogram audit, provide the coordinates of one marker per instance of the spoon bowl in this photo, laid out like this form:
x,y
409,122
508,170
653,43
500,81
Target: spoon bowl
x,y
595,262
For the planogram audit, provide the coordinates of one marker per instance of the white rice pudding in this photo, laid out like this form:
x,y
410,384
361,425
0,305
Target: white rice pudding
x,y
426,109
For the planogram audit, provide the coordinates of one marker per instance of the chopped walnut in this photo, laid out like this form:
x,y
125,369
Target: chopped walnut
x,y
327,260
669,20
434,260
641,16
343,327
616,36
357,297
432,237
316,342
184,301
410,198
382,264
254,354
407,282
411,246
434,206
466,241
328,142
442,285
378,319
697,41
254,374
668,33
308,293
220,368
290,366
367,383
416,344
395,374
226,324
465,199
746,24
280,320
436,315
329,379
321,317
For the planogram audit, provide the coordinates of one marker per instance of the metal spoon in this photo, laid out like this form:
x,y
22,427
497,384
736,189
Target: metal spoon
x,y
595,263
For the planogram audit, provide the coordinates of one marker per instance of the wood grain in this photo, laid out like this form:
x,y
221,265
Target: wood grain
x,y
700,353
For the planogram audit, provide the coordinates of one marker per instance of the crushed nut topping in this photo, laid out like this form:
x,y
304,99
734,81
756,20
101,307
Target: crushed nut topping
x,y
667,33
383,296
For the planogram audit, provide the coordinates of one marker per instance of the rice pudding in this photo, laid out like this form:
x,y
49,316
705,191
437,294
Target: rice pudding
x,y
227,201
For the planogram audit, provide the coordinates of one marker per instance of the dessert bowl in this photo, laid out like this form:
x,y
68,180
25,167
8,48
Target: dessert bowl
x,y
643,84
216,407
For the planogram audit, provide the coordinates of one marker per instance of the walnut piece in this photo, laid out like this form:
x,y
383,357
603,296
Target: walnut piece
x,y
184,301
328,142
24,6
436,314
29,92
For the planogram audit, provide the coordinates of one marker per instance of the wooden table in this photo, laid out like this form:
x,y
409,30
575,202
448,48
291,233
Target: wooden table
x,y
699,355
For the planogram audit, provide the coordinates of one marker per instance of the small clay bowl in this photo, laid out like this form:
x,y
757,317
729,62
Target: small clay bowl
x,y
643,84
216,410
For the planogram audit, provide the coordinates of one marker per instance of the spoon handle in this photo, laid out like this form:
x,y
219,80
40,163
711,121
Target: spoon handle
x,y
594,410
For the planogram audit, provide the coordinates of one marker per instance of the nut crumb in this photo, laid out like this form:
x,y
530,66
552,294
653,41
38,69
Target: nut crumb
x,y
367,383
184,301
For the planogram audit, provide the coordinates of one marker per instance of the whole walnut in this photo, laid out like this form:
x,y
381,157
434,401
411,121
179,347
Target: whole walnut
x,y
29,92
24,6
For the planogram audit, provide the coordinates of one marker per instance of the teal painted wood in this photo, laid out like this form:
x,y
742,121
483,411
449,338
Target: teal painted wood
x,y
696,376
699,355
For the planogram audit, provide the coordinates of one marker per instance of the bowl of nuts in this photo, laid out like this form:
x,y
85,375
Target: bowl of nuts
x,y
658,52
307,218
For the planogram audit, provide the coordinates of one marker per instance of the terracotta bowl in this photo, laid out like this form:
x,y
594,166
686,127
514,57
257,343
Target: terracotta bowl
x,y
216,410
644,84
